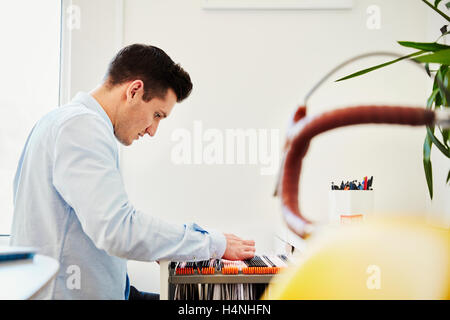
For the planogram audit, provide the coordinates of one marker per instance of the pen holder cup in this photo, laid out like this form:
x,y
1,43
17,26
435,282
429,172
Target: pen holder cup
x,y
350,206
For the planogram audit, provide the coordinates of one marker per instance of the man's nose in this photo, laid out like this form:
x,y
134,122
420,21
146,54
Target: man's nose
x,y
152,129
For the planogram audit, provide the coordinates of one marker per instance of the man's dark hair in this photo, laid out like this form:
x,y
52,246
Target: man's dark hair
x,y
154,67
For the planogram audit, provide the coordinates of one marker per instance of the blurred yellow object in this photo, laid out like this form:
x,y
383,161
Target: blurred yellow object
x,y
375,260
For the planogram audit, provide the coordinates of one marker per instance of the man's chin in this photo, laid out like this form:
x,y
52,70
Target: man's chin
x,y
124,142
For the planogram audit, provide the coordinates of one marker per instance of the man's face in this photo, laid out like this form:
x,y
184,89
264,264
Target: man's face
x,y
136,117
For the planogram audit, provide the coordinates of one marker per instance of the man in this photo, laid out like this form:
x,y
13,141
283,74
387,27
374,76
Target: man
x,y
69,198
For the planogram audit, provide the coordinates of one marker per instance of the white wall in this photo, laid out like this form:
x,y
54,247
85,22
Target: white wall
x,y
92,33
250,68
29,80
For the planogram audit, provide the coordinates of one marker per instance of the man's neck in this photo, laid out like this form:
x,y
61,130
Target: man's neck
x,y
108,100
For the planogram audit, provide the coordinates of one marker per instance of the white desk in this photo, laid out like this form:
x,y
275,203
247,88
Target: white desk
x,y
22,279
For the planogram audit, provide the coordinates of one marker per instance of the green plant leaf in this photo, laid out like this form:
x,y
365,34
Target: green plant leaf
x,y
441,57
445,77
426,46
444,86
437,10
438,98
447,5
361,72
436,2
445,135
437,143
427,165
448,176
432,98
441,82
427,69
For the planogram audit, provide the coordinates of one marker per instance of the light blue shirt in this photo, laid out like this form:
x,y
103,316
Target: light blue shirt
x,y
70,203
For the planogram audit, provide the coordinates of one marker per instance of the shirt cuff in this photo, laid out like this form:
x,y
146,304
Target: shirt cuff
x,y
218,244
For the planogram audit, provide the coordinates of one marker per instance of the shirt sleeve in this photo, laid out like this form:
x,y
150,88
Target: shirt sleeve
x,y
86,175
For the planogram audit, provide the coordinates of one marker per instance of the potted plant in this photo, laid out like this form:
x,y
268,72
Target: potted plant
x,y
435,57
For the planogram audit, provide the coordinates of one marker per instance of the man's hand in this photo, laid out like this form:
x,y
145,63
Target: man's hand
x,y
238,249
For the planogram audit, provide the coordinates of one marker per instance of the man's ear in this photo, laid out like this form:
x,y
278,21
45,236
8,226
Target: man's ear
x,y
135,90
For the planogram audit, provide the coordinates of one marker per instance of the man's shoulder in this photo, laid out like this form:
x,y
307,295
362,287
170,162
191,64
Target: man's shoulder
x,y
73,115
73,121
72,111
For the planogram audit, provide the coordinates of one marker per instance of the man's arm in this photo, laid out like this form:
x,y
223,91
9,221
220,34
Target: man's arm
x,y
86,176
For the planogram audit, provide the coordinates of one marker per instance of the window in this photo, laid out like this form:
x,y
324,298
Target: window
x,y
29,82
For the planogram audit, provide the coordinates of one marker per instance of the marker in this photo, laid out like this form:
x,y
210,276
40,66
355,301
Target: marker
x,y
370,182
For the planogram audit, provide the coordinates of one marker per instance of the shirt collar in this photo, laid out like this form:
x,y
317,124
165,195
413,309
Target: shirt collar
x,y
89,102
